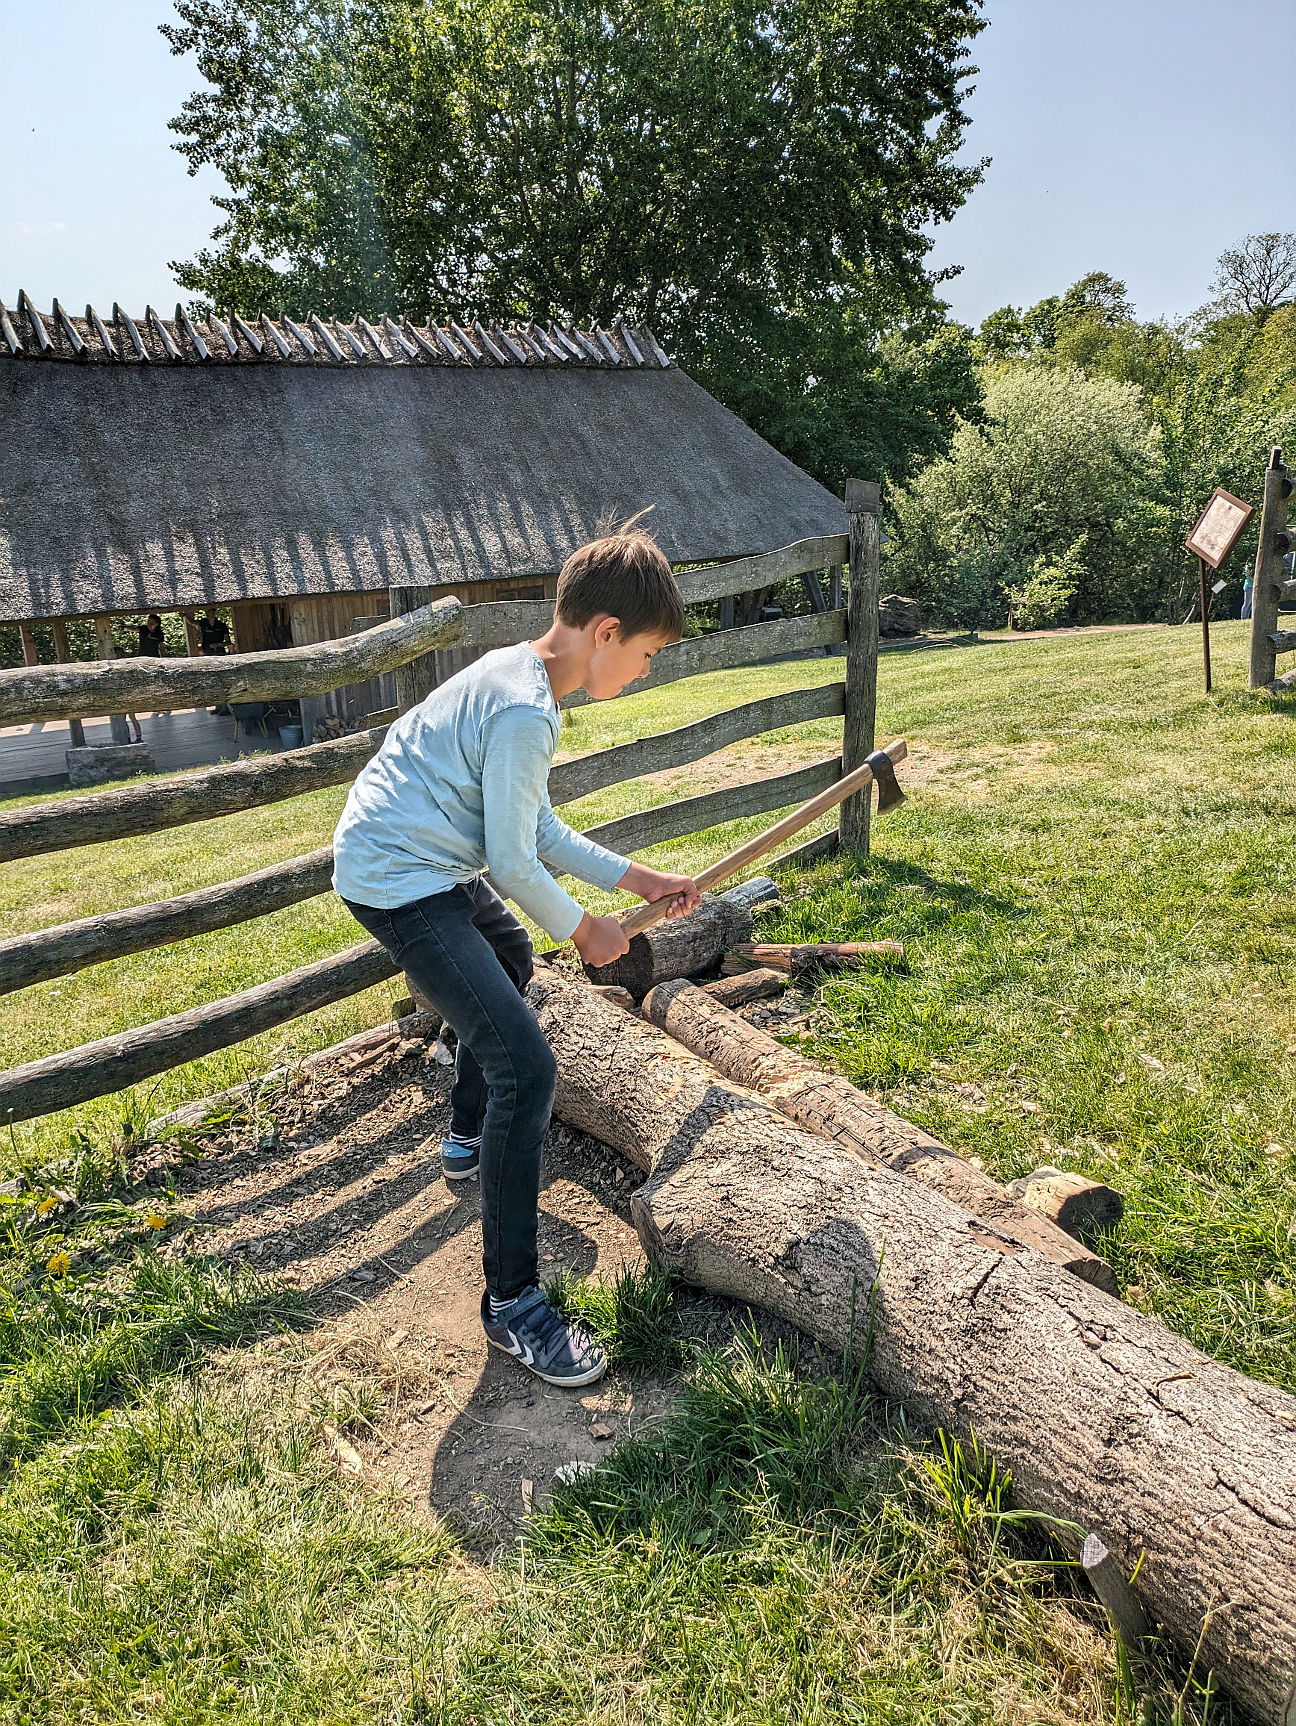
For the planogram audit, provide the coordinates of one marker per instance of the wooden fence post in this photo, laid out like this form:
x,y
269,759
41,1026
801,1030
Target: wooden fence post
x,y
863,505
108,650
63,653
30,654
416,680
1266,588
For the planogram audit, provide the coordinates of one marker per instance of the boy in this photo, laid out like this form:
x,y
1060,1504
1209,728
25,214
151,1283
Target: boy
x,y
460,785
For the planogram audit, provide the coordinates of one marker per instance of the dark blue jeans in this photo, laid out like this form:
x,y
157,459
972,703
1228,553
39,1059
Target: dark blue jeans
x,y
467,954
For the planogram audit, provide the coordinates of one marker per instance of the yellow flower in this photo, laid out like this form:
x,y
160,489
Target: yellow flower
x,y
46,1205
155,1220
59,1265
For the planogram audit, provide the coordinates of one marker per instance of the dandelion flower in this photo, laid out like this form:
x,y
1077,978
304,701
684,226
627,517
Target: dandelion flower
x,y
59,1265
46,1205
155,1220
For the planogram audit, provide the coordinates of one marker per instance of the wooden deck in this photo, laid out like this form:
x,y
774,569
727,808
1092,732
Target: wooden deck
x,y
32,756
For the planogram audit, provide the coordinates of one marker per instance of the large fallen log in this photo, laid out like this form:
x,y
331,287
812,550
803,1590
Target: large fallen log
x,y
828,1104
1107,1420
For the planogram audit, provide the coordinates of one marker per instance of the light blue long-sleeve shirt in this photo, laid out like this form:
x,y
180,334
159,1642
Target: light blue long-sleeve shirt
x,y
459,786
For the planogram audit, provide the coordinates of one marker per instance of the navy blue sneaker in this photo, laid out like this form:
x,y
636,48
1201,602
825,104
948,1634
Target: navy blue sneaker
x,y
460,1157
545,1342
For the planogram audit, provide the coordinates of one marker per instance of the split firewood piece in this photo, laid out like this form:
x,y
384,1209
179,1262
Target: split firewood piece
x,y
1074,1202
1106,1419
683,946
745,986
829,1104
791,957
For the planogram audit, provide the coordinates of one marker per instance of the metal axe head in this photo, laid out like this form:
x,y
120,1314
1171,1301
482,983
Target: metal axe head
x,y
888,787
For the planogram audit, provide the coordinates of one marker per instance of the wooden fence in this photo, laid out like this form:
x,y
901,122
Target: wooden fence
x,y
406,644
1270,586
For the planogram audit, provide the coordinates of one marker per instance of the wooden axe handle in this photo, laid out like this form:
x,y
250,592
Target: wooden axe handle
x,y
761,844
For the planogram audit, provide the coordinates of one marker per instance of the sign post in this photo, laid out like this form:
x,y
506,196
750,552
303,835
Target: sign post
x,y
1219,527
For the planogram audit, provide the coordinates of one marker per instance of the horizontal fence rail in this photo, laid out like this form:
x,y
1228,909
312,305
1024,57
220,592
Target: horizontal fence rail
x,y
665,749
96,1069
714,808
159,803
725,649
500,622
68,947
53,952
81,688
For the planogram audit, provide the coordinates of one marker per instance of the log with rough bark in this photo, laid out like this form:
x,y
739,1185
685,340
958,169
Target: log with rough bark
x,y
1108,1421
790,957
683,946
750,985
829,1104
161,685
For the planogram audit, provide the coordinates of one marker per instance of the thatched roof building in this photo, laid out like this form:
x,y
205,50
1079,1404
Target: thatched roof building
x,y
288,469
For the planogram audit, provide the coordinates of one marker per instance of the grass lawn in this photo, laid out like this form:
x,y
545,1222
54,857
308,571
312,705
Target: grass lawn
x,y
1091,876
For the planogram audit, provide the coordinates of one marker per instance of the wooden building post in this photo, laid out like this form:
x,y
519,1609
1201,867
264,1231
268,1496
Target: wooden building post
x,y
76,730
107,649
1266,588
415,681
193,642
863,505
30,654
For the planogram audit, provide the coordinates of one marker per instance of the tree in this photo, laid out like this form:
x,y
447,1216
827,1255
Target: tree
x,y
1059,487
1257,275
755,181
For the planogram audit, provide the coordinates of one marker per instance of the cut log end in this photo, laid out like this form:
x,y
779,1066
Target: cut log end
x,y
1083,1207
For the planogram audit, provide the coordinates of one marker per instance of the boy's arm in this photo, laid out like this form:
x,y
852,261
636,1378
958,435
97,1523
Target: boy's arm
x,y
515,803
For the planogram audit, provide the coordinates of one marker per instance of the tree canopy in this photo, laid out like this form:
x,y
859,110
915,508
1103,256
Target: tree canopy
x,y
1212,394
756,181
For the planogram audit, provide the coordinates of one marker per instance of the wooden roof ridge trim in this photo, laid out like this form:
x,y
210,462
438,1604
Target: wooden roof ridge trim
x,y
125,320
101,330
10,335
163,334
34,319
69,329
188,338
199,345
248,334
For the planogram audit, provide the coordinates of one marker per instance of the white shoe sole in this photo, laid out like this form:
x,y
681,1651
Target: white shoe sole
x,y
590,1377
459,1174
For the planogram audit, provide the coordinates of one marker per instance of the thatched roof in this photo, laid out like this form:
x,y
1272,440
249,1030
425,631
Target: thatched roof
x,y
173,462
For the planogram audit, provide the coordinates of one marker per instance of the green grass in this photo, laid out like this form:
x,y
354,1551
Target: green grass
x,y
1093,866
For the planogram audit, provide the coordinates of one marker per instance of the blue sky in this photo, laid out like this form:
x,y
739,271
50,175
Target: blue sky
x,y
1135,136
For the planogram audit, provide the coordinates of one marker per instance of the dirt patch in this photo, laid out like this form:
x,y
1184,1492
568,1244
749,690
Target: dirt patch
x,y
349,1204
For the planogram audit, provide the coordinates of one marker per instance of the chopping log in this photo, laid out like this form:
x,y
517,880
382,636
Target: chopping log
x,y
748,986
791,958
828,1104
1107,1420
683,946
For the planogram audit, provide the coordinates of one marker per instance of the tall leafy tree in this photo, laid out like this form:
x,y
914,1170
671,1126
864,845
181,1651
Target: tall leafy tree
x,y
756,181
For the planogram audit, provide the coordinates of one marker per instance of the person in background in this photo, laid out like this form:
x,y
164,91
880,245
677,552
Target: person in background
x,y
213,639
1246,597
152,640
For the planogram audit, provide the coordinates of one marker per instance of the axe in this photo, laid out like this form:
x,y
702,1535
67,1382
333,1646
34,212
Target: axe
x,y
878,769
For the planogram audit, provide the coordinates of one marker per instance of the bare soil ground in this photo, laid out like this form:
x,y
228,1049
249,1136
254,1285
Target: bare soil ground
x,y
348,1203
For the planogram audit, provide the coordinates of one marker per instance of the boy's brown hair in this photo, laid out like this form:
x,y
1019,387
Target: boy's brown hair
x,y
623,575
